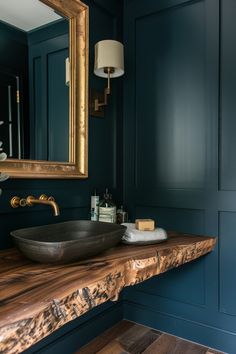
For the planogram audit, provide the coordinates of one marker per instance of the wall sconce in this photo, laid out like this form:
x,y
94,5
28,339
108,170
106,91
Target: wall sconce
x,y
108,63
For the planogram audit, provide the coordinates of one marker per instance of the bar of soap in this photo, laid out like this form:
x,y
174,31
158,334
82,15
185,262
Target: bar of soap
x,y
145,224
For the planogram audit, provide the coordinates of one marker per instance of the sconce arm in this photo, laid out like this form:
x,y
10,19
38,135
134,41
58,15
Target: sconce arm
x,y
107,91
98,104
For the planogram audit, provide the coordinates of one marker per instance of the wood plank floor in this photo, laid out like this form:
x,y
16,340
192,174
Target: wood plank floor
x,y
132,338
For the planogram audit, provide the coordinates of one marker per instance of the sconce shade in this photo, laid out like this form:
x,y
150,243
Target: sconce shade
x,y
109,54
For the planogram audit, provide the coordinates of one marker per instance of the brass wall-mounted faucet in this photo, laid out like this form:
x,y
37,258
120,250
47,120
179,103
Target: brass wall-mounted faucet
x,y
31,201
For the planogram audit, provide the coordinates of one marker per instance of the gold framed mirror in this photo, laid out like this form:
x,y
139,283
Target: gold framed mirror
x,y
77,165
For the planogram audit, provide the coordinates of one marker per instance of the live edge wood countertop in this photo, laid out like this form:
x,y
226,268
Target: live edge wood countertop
x,y
37,299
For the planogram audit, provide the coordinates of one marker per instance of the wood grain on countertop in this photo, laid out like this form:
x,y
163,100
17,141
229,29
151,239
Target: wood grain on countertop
x,y
37,299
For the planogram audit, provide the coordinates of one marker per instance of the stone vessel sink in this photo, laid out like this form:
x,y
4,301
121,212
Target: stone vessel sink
x,y
67,241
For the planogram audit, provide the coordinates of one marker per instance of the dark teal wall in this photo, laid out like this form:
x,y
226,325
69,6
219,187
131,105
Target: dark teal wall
x,y
179,114
73,196
105,149
13,43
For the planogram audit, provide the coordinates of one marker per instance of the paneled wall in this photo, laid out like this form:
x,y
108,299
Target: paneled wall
x,y
73,196
179,114
14,77
49,94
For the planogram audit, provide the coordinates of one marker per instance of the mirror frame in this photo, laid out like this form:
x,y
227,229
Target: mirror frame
x,y
77,167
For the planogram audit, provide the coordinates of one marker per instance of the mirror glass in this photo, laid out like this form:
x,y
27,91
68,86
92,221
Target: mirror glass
x,y
34,81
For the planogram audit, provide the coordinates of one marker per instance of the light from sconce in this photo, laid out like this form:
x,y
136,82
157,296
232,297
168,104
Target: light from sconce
x,y
108,63
67,72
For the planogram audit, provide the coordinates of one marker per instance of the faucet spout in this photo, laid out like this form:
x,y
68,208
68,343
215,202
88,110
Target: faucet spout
x,y
43,199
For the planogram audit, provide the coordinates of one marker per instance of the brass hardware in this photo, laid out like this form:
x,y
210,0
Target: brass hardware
x,y
31,201
77,166
23,202
95,95
43,199
109,71
17,96
107,90
28,200
17,201
96,102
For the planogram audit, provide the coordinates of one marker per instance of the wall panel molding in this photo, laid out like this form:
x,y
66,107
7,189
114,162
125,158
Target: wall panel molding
x,y
227,164
171,110
227,263
186,286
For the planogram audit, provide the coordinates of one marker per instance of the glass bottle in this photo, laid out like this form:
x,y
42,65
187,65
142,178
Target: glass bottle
x,y
121,216
94,206
107,208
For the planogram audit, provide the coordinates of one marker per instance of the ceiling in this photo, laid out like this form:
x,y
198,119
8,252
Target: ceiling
x,y
26,14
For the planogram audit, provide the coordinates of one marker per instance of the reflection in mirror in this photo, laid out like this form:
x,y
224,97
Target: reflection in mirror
x,y
50,104
34,45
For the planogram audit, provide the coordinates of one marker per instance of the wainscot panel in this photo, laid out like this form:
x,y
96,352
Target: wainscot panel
x,y
178,102
171,109
228,104
227,262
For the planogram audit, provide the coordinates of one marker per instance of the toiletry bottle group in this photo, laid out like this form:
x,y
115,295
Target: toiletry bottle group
x,y
105,209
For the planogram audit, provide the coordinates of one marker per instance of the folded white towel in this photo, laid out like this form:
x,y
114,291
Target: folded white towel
x,y
132,235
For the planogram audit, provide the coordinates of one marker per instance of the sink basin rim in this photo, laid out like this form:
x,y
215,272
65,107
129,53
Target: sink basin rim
x,y
95,238
14,233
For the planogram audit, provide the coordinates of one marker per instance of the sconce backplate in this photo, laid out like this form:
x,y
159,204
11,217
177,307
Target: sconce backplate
x,y
96,95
